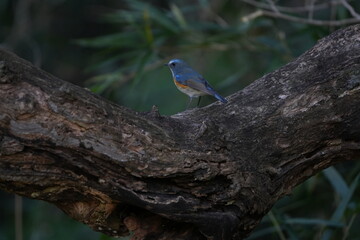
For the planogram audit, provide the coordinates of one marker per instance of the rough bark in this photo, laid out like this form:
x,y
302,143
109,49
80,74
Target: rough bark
x,y
207,173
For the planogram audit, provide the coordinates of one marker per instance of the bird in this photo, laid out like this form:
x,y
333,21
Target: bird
x,y
190,82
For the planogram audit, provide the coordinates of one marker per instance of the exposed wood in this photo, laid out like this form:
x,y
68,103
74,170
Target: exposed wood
x,y
207,173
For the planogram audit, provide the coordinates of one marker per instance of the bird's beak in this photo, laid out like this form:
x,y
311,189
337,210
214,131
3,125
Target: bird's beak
x,y
166,64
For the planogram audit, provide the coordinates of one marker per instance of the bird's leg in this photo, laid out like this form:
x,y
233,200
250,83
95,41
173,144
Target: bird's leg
x,y
189,103
198,101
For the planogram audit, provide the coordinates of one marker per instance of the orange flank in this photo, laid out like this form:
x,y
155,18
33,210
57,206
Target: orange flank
x,y
179,84
191,92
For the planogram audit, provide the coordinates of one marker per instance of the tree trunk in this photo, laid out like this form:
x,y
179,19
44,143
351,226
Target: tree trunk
x,y
206,173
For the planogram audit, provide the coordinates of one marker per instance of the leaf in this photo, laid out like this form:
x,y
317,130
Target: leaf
x,y
156,15
336,181
147,28
259,234
178,16
112,40
313,221
276,224
143,60
103,82
340,210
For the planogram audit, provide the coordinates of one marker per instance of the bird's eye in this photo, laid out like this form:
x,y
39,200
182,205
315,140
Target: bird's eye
x,y
173,64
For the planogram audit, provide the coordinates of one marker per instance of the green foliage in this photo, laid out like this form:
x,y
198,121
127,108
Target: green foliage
x,y
230,52
328,211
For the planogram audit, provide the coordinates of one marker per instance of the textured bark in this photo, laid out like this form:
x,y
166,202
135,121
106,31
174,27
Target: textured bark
x,y
208,173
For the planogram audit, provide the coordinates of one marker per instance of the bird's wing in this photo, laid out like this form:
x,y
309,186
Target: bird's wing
x,y
200,84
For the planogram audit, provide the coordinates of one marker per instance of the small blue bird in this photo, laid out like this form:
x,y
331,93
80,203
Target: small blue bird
x,y
190,82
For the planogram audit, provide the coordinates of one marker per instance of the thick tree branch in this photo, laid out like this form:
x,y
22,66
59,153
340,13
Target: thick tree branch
x,y
209,173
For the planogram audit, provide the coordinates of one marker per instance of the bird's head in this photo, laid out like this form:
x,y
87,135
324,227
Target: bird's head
x,y
177,65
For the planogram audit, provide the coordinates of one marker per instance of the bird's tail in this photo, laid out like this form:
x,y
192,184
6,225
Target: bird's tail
x,y
220,98
212,92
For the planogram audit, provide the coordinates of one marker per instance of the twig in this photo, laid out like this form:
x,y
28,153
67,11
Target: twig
x,y
272,10
305,8
332,16
18,218
331,23
272,5
350,9
348,226
311,10
252,16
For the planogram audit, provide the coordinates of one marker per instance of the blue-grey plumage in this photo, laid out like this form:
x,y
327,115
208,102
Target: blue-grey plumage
x,y
190,82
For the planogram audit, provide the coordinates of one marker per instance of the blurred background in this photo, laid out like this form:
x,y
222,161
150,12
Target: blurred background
x,y
117,49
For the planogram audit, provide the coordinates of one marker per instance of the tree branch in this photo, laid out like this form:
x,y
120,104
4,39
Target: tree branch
x,y
208,173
